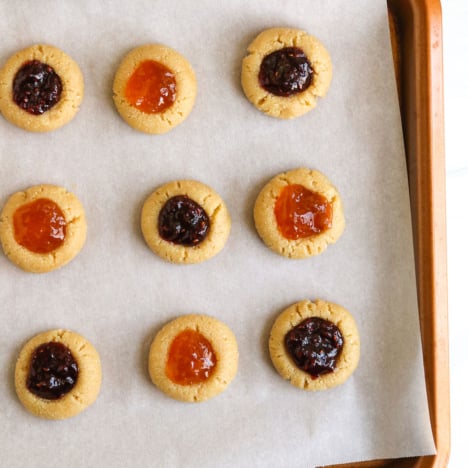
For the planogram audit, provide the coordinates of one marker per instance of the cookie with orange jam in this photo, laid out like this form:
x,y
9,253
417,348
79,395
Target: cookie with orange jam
x,y
154,88
315,345
42,228
41,88
299,213
193,358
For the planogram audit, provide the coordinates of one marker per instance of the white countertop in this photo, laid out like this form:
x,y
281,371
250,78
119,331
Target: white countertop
x,y
455,17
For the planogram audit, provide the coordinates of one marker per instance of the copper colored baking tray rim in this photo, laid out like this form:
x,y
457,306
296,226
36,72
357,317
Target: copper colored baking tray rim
x,y
416,30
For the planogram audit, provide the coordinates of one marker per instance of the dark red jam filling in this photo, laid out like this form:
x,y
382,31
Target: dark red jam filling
x,y
183,221
36,87
53,371
285,72
315,345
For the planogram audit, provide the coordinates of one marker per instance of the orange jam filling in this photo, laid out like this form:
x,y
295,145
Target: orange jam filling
x,y
151,88
302,213
190,359
39,226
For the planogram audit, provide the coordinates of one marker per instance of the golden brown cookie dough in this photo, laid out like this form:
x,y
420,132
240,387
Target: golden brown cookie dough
x,y
185,89
75,225
86,388
70,99
295,314
209,200
267,226
295,105
224,346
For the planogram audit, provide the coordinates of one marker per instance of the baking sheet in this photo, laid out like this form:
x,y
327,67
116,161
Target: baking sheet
x,y
118,294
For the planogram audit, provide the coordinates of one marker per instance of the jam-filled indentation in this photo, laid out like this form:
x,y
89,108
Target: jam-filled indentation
x,y
286,72
40,226
191,358
315,345
53,371
183,221
151,88
36,87
302,213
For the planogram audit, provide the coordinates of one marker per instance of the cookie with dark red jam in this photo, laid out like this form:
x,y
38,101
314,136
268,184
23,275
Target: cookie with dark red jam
x,y
193,358
154,88
41,88
299,213
285,71
57,374
42,228
315,345
185,221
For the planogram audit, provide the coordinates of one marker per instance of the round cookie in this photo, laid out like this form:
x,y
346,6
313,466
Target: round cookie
x,y
49,116
164,358
179,77
87,384
63,237
266,220
215,226
301,95
346,362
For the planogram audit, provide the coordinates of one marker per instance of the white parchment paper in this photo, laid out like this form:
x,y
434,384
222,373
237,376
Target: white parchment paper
x,y
118,294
